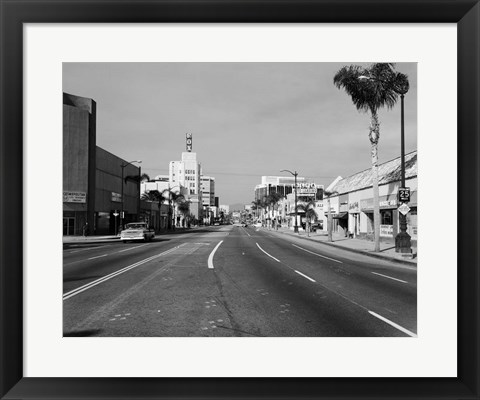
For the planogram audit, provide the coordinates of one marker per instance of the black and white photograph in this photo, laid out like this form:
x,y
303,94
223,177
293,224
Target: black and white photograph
x,y
240,199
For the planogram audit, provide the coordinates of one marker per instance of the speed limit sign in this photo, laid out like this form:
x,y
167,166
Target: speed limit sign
x,y
404,195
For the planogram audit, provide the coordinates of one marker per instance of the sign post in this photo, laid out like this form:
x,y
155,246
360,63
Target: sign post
x,y
115,214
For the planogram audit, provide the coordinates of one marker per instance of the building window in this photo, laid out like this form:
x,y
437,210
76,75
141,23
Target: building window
x,y
386,217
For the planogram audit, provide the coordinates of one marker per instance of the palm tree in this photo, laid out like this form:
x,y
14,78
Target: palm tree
x,y
184,208
371,89
272,200
310,213
172,199
152,195
256,206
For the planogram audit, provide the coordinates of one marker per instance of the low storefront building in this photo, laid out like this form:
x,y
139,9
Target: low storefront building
x,y
354,196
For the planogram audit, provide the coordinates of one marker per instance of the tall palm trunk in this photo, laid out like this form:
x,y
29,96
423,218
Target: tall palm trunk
x,y
329,222
374,137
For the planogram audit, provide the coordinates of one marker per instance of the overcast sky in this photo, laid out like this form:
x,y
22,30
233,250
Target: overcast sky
x,y
247,119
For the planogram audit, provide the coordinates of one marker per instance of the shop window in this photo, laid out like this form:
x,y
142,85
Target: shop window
x,y
386,217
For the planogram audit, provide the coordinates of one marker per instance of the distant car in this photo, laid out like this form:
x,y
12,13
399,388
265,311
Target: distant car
x,y
216,223
316,226
137,231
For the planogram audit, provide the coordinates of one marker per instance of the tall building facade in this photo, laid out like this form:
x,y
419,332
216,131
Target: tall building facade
x,y
92,176
208,190
187,173
79,162
280,184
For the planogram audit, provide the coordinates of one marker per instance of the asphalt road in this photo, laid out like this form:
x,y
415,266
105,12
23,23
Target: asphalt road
x,y
234,281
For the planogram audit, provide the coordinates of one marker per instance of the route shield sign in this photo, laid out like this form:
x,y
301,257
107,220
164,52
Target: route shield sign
x,y
404,209
404,195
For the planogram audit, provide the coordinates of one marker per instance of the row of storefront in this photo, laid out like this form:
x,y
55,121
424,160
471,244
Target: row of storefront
x,y
352,201
351,204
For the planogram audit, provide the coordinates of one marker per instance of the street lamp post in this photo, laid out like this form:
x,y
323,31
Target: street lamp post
x,y
402,240
123,167
295,174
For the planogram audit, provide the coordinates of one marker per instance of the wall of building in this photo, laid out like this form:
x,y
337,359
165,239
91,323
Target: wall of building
x,y
79,141
208,190
108,192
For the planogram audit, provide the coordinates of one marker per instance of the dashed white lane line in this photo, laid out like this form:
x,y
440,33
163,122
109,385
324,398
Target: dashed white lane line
x,y
400,328
305,276
84,249
319,255
89,285
93,258
389,277
210,257
277,260
131,248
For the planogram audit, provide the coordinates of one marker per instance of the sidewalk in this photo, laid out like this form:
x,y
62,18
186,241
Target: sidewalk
x,y
387,249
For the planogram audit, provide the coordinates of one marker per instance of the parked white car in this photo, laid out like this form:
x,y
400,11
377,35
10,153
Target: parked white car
x,y
137,231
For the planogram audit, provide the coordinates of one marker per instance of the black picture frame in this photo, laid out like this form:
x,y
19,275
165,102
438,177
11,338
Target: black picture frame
x,y
464,13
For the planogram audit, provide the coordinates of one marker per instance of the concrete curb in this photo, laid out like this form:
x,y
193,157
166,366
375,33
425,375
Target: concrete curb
x,y
367,253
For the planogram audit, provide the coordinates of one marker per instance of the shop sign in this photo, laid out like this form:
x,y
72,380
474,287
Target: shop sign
x,y
366,204
306,188
74,197
189,142
117,197
388,203
333,210
353,207
386,230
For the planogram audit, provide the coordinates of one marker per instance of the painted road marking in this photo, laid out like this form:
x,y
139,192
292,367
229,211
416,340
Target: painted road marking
x,y
267,253
131,248
87,286
400,328
319,255
88,248
305,276
389,277
210,257
93,258
246,232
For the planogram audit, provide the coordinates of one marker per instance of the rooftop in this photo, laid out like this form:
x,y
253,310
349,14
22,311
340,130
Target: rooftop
x,y
387,172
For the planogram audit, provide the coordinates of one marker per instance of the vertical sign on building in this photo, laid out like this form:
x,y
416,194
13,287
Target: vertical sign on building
x,y
189,142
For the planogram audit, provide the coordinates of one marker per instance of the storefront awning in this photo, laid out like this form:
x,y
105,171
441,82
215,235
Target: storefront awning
x,y
341,215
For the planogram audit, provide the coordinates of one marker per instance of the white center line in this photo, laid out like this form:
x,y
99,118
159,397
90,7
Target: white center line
x,y
319,255
92,258
389,277
89,285
305,276
131,248
267,253
400,328
210,257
